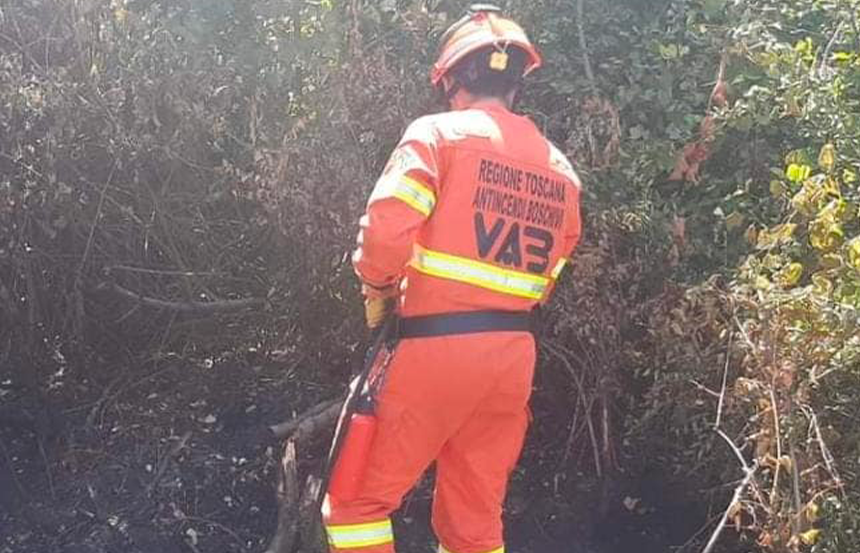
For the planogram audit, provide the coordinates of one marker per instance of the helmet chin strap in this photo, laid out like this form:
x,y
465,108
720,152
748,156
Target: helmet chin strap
x,y
450,87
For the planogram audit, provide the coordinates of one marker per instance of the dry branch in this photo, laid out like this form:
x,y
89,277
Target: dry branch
x,y
749,473
577,379
187,308
298,513
168,458
309,423
288,503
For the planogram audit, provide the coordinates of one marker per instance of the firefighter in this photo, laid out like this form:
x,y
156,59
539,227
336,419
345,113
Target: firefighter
x,y
466,232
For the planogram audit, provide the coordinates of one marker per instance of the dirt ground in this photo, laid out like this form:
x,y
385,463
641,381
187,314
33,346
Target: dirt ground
x,y
167,458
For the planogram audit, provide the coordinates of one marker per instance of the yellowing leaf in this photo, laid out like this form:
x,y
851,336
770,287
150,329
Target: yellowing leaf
x,y
830,261
751,235
734,220
802,202
821,285
854,253
795,156
810,536
772,261
779,234
777,189
812,512
831,186
790,274
798,173
827,157
835,210
804,46
762,283
825,234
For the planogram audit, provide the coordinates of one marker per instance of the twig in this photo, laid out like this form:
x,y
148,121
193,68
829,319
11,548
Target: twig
x,y
105,400
79,276
829,48
22,494
165,462
95,223
698,533
47,462
703,388
749,472
795,484
186,308
581,392
227,530
822,447
164,272
735,449
776,430
725,379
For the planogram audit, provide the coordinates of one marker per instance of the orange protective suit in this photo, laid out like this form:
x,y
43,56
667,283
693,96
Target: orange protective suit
x,y
476,210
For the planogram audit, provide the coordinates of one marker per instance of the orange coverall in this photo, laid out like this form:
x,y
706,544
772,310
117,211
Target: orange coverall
x,y
475,210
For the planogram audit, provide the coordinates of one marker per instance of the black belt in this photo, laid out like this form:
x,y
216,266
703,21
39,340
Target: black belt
x,y
468,322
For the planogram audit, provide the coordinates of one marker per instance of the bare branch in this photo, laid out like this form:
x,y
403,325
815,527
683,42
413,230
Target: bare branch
x,y
725,378
163,272
778,447
587,404
749,473
186,308
309,423
165,462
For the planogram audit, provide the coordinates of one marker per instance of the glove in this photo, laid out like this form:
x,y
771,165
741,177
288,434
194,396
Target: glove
x,y
379,303
376,310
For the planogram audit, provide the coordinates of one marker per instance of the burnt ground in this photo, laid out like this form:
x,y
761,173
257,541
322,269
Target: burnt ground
x,y
166,458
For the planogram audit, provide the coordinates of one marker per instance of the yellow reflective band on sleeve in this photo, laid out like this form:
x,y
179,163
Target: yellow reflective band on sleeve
x,y
442,549
354,536
415,194
477,273
556,272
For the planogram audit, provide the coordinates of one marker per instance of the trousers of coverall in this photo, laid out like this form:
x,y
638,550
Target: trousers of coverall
x,y
461,401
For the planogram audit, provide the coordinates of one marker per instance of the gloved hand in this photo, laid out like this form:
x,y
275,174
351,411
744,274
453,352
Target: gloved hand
x,y
379,303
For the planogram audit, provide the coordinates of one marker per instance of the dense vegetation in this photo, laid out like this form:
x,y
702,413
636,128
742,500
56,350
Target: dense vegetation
x,y
180,184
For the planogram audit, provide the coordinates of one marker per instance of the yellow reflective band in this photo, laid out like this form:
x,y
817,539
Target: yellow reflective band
x,y
442,549
415,194
559,267
473,272
352,536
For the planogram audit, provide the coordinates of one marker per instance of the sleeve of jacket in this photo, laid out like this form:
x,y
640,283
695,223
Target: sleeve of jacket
x,y
573,227
402,200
